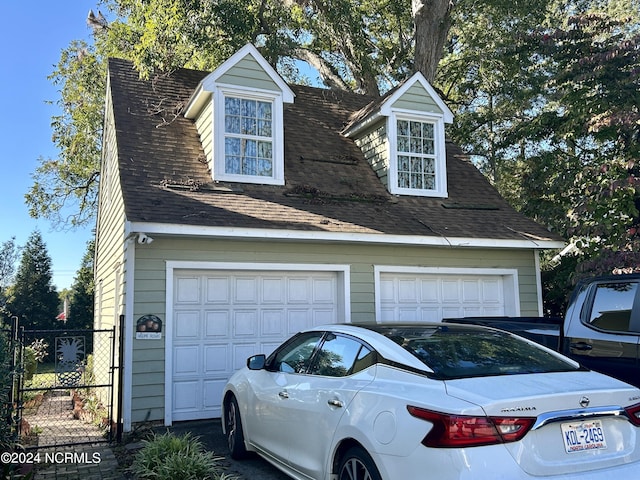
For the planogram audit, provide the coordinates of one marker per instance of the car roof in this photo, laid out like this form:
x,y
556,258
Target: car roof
x,y
371,333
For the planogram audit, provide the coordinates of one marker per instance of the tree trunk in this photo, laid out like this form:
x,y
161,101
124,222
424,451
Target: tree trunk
x,y
432,20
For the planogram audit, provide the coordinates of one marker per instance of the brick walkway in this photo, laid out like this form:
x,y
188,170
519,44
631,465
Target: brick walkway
x,y
58,427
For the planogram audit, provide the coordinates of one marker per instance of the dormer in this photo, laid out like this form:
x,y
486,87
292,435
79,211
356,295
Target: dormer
x,y
402,136
238,112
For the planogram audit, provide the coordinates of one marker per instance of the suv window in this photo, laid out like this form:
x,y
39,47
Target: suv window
x,y
340,356
612,305
295,356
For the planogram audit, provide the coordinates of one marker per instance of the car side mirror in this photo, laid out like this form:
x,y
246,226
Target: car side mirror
x,y
256,362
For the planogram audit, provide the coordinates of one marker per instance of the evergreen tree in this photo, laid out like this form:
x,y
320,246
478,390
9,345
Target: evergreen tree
x,y
33,298
81,301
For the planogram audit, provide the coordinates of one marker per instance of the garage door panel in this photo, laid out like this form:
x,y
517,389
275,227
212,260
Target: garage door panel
x,y
298,290
273,290
246,291
245,323
407,291
218,290
323,291
243,351
187,325
298,319
217,323
212,394
187,290
186,360
471,291
387,291
429,291
238,314
450,291
273,323
216,359
323,316
186,395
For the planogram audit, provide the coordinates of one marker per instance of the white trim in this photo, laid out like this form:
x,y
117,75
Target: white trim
x,y
386,107
509,278
344,302
317,236
536,258
252,51
127,361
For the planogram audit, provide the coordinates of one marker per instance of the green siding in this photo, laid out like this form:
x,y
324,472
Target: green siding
x,y
204,125
374,146
150,279
248,73
109,253
417,98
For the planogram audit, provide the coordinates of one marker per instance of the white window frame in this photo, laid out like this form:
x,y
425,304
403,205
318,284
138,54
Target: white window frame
x,y
277,138
440,189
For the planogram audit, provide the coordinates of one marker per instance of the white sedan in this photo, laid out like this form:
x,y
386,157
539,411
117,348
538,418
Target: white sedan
x,y
436,401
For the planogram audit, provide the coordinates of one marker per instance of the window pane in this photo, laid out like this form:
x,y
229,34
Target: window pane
x,y
248,108
232,106
295,356
417,171
612,306
232,164
336,356
403,127
245,121
264,110
461,352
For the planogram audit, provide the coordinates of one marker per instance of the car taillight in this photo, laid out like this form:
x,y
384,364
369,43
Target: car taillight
x,y
469,431
634,414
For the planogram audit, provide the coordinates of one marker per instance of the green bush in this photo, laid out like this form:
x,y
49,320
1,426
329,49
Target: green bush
x,y
167,457
6,409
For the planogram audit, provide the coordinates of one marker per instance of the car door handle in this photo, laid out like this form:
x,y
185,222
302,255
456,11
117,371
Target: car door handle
x,y
335,403
581,346
283,394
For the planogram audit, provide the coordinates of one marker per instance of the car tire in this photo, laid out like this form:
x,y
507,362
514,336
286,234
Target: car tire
x,y
233,428
357,464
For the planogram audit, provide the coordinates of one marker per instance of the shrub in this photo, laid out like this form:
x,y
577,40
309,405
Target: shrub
x,y
168,457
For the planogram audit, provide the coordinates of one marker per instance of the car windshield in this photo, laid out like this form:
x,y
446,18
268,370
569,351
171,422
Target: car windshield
x,y
460,352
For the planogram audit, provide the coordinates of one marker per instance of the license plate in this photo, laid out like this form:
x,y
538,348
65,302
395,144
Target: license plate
x,y
581,436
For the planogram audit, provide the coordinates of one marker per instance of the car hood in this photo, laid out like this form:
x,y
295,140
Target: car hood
x,y
532,394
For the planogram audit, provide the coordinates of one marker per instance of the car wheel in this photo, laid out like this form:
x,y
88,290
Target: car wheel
x,y
233,426
356,464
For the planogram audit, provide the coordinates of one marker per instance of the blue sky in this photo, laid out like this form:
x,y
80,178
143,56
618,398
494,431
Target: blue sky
x,y
31,38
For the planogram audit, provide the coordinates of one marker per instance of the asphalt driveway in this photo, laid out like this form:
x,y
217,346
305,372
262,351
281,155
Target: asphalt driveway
x,y
210,433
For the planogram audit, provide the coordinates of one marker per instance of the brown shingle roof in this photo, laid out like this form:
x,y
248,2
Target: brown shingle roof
x,y
329,185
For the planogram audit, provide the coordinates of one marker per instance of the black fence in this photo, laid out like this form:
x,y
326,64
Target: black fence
x,y
63,386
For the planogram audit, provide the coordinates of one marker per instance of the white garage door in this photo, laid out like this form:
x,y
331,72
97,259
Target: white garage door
x,y
431,297
222,317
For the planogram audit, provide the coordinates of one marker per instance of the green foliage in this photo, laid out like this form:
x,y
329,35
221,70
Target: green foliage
x,y
32,297
167,457
6,435
81,302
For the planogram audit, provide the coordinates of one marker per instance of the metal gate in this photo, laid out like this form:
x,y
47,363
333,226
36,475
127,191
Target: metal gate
x,y
64,387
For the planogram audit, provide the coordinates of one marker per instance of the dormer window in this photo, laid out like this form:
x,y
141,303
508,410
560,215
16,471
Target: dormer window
x,y
248,137
418,162
238,112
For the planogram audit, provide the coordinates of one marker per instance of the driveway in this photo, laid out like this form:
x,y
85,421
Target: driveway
x,y
210,433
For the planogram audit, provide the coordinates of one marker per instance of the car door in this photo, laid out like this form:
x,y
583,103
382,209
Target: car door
x,y
339,369
607,336
269,423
